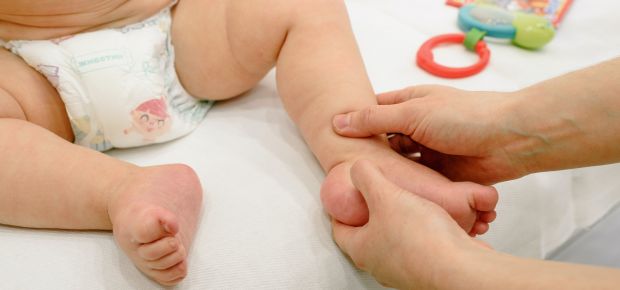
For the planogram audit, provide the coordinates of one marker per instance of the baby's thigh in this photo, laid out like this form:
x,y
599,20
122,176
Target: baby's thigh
x,y
27,95
223,48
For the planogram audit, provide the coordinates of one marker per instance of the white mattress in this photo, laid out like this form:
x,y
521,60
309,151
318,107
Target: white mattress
x,y
263,225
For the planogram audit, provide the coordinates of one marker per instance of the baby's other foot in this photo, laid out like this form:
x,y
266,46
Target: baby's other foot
x,y
154,216
341,199
471,205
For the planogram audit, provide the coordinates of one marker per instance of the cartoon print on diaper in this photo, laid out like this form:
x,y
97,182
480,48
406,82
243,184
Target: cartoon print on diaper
x,y
150,119
50,72
82,128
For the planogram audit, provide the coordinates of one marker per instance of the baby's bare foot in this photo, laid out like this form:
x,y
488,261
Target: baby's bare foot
x,y
470,204
154,216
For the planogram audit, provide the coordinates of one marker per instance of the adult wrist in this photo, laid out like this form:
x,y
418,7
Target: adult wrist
x,y
513,136
549,132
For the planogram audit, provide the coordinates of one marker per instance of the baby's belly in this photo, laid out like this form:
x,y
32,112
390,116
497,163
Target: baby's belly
x,y
54,18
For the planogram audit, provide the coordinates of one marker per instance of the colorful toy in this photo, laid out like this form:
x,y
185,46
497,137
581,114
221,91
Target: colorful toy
x,y
553,10
528,31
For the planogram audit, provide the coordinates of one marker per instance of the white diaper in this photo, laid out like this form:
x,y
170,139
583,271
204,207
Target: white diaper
x,y
119,86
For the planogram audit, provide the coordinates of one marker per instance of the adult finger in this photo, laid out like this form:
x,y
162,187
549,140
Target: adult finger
x,y
375,120
403,95
394,97
459,168
346,237
369,180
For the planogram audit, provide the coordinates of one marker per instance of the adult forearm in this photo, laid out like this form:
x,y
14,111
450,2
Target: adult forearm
x,y
567,122
493,270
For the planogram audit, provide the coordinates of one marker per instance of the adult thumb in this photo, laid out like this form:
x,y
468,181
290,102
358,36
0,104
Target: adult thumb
x,y
373,185
374,120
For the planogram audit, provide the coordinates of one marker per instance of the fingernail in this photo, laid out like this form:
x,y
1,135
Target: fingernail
x,y
342,121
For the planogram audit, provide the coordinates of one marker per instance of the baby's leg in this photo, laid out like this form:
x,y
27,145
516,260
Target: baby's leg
x,y
225,47
48,182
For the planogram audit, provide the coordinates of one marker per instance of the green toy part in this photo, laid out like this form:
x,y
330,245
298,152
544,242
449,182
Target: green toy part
x,y
533,32
472,38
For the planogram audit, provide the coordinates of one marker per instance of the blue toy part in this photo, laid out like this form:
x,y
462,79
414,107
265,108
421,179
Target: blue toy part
x,y
496,22
525,30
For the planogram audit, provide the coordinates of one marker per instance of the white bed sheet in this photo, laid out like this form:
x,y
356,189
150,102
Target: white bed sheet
x,y
263,225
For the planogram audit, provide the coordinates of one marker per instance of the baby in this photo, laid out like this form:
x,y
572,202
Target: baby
x,y
119,73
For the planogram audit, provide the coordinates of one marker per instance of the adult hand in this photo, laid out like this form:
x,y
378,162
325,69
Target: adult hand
x,y
461,134
408,242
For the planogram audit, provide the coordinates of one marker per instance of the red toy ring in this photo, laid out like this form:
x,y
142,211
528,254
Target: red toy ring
x,y
426,60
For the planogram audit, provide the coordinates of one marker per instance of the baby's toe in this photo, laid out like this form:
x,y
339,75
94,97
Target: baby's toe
x,y
479,228
158,249
485,198
487,217
168,261
480,197
170,276
155,224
